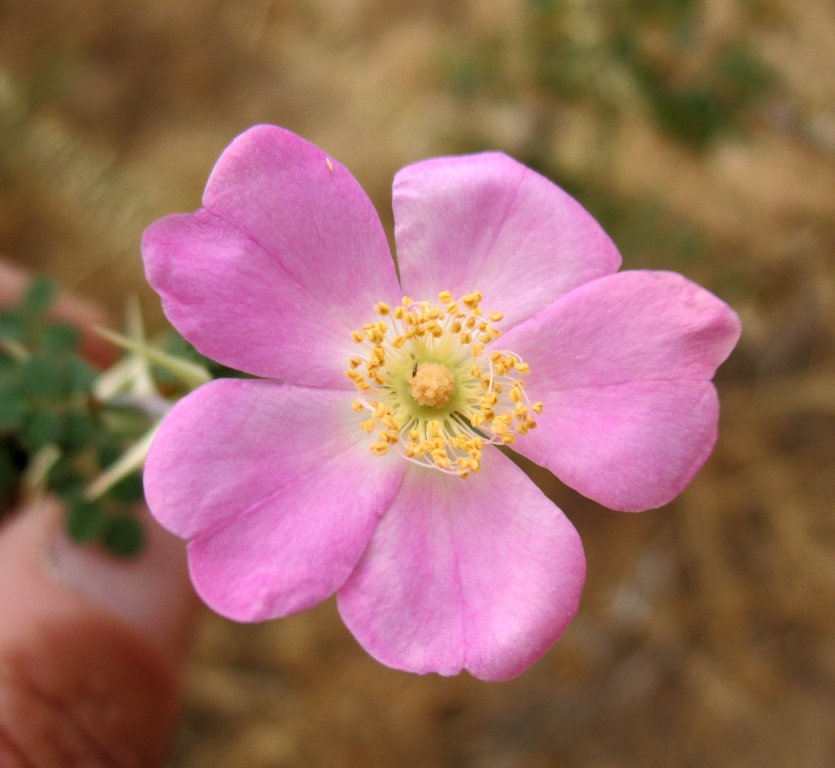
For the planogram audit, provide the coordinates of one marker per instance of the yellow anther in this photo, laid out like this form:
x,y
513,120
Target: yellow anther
x,y
537,407
422,351
498,426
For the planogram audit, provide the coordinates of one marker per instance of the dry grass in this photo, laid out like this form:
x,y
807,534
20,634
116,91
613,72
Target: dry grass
x,y
706,636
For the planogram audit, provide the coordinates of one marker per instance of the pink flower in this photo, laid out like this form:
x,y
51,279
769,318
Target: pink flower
x,y
382,485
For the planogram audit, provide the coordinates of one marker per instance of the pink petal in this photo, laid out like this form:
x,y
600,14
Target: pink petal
x,y
485,222
623,366
275,488
481,574
285,260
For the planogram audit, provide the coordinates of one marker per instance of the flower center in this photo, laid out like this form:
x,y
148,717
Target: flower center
x,y
433,384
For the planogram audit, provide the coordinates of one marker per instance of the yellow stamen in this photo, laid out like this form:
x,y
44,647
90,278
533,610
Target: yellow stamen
x,y
437,359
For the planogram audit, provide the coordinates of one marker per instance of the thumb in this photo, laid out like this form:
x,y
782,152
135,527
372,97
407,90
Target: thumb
x,y
89,647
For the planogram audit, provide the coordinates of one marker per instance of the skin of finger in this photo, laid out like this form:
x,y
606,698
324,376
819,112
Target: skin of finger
x,y
78,684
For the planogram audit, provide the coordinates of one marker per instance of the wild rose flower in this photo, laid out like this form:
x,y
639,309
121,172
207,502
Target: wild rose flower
x,y
363,462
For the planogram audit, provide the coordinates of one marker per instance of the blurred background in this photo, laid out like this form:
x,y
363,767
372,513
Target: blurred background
x,y
702,134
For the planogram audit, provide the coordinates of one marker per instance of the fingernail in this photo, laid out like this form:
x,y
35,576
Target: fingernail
x,y
151,591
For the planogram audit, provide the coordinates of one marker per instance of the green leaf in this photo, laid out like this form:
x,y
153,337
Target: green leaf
x,y
12,324
9,472
41,376
80,430
86,521
129,489
60,337
65,480
123,536
42,428
81,376
39,295
13,405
